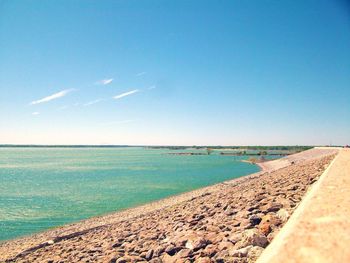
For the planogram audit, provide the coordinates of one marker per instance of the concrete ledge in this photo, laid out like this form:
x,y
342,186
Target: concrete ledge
x,y
319,229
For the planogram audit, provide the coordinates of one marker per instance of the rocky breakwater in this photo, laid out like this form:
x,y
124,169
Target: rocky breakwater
x,y
233,224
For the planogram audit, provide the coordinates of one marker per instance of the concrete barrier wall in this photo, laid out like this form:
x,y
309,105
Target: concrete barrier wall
x,y
319,229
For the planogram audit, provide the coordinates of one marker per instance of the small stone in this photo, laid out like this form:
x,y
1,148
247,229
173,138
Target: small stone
x,y
117,244
168,259
158,251
265,228
245,224
155,260
259,197
253,237
203,260
234,238
274,207
170,250
230,211
254,220
283,215
180,241
221,256
273,220
224,245
184,253
293,187
214,237
149,254
134,258
196,243
252,208
254,253
121,260
242,252
235,223
209,251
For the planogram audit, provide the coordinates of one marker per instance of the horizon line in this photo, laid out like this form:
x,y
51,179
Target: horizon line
x,y
158,145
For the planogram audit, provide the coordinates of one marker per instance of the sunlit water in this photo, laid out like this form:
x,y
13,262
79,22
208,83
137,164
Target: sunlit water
x,y
45,187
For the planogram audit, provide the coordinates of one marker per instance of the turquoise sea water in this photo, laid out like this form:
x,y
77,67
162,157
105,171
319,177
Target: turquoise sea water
x,y
45,187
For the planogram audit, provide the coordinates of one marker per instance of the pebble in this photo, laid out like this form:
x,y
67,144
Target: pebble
x,y
253,237
242,252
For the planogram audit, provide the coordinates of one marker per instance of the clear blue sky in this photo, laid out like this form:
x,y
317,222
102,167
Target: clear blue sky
x,y
175,72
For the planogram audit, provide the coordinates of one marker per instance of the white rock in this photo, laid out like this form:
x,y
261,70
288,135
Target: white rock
x,y
283,214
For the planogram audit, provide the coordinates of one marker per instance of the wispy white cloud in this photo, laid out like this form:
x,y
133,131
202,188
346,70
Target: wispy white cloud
x,y
104,81
93,102
152,87
52,97
35,113
125,94
116,122
141,74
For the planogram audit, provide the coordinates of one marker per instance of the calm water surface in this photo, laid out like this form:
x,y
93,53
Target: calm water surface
x,y
45,187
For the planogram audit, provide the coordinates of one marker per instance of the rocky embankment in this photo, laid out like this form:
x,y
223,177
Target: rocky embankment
x,y
234,223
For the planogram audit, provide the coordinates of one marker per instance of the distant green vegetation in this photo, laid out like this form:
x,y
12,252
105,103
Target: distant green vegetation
x,y
267,148
262,149
279,148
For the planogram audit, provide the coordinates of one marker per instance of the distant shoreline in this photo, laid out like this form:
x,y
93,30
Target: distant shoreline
x,y
171,147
